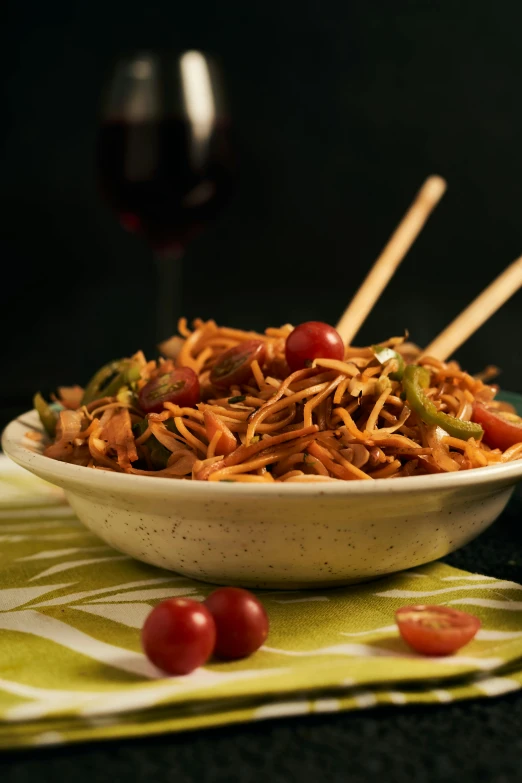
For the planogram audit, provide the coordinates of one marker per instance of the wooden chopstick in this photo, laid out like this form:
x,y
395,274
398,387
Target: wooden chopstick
x,y
398,245
477,313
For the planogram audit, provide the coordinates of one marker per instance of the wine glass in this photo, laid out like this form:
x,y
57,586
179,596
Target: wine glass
x,y
165,159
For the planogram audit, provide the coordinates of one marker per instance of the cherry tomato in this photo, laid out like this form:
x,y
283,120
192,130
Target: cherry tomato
x,y
179,635
179,386
241,622
436,630
234,365
312,340
501,429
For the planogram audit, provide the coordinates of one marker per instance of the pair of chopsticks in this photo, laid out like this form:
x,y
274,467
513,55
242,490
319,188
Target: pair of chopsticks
x,y
471,319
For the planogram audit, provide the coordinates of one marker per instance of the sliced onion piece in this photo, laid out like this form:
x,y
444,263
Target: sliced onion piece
x,y
440,451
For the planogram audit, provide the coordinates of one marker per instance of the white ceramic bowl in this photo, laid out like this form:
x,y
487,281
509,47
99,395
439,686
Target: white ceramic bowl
x,y
276,535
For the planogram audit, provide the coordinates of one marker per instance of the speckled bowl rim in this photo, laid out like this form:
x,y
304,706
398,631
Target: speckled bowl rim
x,y
14,433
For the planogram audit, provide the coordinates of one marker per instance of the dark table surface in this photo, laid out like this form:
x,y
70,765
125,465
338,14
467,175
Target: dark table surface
x,y
479,741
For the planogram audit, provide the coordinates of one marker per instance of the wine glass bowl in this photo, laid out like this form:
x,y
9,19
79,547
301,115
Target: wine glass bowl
x,y
165,159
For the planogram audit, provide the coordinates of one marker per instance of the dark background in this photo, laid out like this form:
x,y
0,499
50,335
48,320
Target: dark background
x,y
341,110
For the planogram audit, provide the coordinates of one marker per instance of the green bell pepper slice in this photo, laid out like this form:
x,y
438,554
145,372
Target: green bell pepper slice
x,y
158,453
110,378
48,417
415,380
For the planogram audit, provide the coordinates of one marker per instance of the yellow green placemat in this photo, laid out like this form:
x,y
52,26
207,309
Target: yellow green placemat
x,y
71,667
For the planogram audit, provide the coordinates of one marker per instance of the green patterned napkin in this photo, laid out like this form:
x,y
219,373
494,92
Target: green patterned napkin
x,y
71,667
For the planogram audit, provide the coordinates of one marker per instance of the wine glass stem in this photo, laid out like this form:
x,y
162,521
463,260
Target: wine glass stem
x,y
169,293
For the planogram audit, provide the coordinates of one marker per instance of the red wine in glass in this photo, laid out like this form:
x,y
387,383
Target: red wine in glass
x,y
165,159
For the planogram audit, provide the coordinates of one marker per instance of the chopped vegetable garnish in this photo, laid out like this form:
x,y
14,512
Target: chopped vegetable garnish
x,y
385,355
47,416
415,380
110,378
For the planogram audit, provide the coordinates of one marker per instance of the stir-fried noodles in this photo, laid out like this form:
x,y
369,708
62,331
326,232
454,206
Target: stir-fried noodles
x,y
222,405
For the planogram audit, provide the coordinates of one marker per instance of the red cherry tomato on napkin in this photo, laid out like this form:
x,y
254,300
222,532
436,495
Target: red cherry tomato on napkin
x,y
234,365
241,622
179,635
180,387
436,630
312,340
501,429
